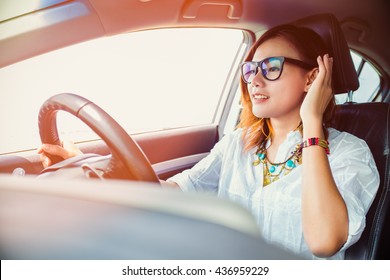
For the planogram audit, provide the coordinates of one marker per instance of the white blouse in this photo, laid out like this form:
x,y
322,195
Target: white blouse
x,y
229,172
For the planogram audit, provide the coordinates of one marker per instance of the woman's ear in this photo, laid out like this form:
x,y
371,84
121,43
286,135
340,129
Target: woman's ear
x,y
311,76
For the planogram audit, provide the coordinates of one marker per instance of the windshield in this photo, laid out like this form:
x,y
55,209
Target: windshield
x,y
148,80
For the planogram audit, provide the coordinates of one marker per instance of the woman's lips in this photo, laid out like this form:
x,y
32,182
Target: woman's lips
x,y
259,98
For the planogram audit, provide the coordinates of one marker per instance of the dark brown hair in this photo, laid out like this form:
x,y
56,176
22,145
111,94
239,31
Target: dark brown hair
x,y
309,46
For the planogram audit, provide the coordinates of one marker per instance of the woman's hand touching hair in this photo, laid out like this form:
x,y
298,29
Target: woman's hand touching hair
x,y
319,91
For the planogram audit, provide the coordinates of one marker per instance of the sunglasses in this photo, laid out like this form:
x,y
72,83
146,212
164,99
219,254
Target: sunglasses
x,y
271,68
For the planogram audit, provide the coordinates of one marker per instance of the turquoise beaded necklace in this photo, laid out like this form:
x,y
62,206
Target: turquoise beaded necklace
x,y
273,171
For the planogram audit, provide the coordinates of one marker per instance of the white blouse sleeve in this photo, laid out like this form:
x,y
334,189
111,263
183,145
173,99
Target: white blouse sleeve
x,y
357,179
205,175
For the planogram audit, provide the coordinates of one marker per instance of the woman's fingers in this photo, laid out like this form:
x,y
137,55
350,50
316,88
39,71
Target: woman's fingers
x,y
67,150
325,66
321,69
330,71
328,64
46,161
47,150
71,148
55,150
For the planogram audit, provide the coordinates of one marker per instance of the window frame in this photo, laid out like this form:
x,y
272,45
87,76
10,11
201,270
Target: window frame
x,y
376,95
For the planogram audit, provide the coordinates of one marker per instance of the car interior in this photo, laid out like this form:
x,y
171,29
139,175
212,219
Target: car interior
x,y
136,211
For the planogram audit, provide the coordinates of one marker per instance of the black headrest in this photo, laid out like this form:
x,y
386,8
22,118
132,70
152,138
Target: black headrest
x,y
327,26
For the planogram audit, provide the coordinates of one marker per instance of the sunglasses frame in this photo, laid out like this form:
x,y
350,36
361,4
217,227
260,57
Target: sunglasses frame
x,y
282,59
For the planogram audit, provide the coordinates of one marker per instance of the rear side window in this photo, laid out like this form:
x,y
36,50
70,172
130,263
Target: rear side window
x,y
148,80
369,81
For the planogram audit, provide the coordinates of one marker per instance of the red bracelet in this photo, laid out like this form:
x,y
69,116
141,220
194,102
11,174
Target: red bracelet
x,y
315,141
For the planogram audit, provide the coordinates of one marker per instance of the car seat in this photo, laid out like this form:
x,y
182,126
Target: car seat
x,y
368,121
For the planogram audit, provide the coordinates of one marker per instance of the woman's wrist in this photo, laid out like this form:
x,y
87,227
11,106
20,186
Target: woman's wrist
x,y
313,128
313,135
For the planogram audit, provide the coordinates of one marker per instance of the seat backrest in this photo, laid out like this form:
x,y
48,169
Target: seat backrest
x,y
371,122
367,121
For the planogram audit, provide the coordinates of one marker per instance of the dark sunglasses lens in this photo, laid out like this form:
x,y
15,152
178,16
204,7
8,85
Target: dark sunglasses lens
x,y
272,68
249,71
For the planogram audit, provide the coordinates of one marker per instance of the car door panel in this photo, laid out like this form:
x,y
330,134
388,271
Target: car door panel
x,y
169,151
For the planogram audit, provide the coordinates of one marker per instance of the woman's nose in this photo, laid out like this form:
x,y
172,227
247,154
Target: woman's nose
x,y
258,80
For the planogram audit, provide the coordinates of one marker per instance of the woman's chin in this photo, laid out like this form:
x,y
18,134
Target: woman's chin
x,y
259,113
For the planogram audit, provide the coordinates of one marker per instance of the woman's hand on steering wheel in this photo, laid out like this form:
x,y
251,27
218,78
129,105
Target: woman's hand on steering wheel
x,y
127,160
67,150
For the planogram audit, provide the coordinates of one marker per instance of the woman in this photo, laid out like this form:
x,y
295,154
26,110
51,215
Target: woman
x,y
308,186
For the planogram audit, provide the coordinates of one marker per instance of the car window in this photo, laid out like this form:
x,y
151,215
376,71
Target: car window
x,y
369,82
147,80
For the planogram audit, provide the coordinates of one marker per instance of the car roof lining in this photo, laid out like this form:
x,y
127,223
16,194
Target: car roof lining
x,y
104,18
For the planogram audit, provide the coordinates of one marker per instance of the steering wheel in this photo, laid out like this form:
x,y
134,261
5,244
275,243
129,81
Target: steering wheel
x,y
127,159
